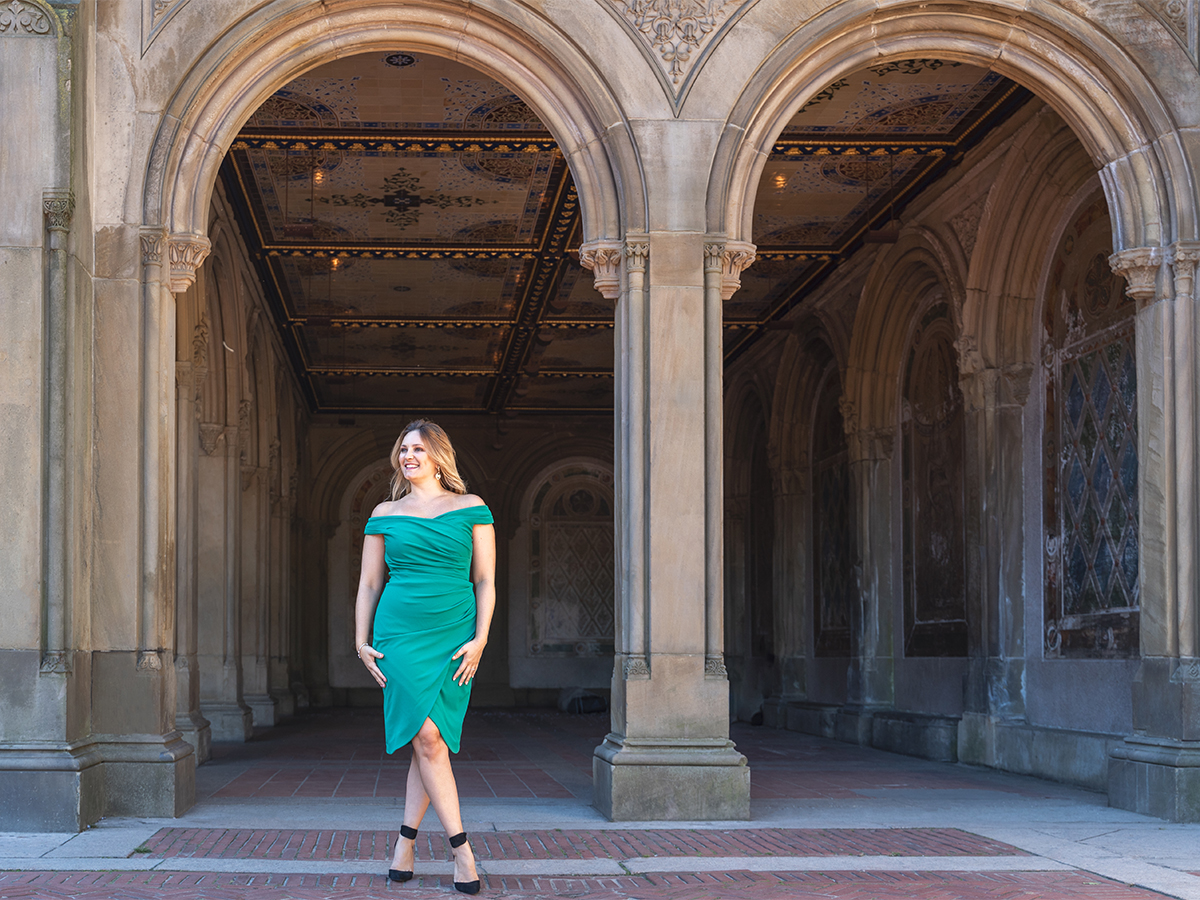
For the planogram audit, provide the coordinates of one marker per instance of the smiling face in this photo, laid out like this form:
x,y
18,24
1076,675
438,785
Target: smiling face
x,y
415,461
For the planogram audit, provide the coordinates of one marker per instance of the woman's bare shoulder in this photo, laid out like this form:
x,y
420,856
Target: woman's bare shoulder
x,y
469,500
388,508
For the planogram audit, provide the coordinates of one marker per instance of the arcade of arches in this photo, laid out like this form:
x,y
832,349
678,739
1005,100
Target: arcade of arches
x,y
828,366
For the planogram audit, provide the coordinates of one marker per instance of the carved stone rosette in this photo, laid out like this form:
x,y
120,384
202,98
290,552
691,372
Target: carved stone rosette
x,y
1139,267
149,661
604,259
186,252
714,667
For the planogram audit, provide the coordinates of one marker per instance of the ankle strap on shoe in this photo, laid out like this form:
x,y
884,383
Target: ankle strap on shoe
x,y
407,832
459,839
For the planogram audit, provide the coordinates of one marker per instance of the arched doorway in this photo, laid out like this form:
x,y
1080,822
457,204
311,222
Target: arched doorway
x,y
509,329
849,131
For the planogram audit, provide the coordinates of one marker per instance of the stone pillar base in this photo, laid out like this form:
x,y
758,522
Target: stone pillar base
x,y
852,724
230,721
149,775
50,788
670,779
285,703
197,731
263,708
1156,777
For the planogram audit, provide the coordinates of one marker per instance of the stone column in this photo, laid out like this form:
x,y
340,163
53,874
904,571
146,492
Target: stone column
x,y
255,527
149,768
793,541
870,681
669,755
995,400
191,371
51,776
219,589
1157,769
278,682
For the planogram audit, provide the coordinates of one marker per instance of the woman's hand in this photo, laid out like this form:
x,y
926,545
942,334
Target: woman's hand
x,y
471,652
368,655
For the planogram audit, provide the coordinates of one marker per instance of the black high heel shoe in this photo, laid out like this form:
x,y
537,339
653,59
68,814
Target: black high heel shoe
x,y
466,887
404,874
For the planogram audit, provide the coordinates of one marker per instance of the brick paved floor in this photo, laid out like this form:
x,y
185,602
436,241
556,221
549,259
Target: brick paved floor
x,y
540,755
709,886
561,844
306,785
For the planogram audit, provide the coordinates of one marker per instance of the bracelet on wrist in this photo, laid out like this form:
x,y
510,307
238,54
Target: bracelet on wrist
x,y
358,652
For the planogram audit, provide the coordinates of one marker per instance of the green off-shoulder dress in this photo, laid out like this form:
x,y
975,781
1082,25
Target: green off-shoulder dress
x,y
425,613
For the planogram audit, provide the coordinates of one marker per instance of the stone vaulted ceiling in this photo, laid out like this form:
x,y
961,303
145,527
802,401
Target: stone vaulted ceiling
x,y
417,229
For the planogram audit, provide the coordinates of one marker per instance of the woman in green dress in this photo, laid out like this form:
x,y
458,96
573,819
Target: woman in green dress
x,y
424,606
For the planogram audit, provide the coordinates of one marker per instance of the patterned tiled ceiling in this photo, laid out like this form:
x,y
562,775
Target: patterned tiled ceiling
x,y
417,228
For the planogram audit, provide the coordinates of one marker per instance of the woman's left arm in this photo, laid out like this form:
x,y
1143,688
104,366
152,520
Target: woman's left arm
x,y
483,576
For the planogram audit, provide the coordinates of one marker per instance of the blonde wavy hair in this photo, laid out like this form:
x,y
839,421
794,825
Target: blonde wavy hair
x,y
440,450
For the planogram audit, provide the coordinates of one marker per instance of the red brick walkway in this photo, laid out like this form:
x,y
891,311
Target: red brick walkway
x,y
730,886
606,844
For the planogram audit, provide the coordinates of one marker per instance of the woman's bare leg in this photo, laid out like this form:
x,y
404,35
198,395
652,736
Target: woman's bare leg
x,y
416,801
433,757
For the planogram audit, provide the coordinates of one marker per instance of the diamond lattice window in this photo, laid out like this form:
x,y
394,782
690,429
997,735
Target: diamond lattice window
x,y
1091,459
572,567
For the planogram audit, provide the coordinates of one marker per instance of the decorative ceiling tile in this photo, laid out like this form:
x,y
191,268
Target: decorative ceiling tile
x,y
677,36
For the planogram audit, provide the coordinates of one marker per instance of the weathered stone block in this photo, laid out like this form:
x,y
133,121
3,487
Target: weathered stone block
x,y
153,777
916,734
627,793
58,789
812,718
1156,778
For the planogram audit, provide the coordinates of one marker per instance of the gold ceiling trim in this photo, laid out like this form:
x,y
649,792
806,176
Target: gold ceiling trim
x,y
390,143
452,322
447,372
397,251
809,147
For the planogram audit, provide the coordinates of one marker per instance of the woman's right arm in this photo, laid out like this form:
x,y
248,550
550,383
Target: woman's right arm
x,y
370,586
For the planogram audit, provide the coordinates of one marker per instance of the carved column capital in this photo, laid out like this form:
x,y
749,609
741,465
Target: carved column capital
x,y
970,360
1184,258
1139,267
186,252
153,241
637,668
604,259
1017,380
637,254
211,434
58,207
730,258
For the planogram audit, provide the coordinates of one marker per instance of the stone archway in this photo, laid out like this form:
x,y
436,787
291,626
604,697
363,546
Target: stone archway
x,y
230,79
1091,81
